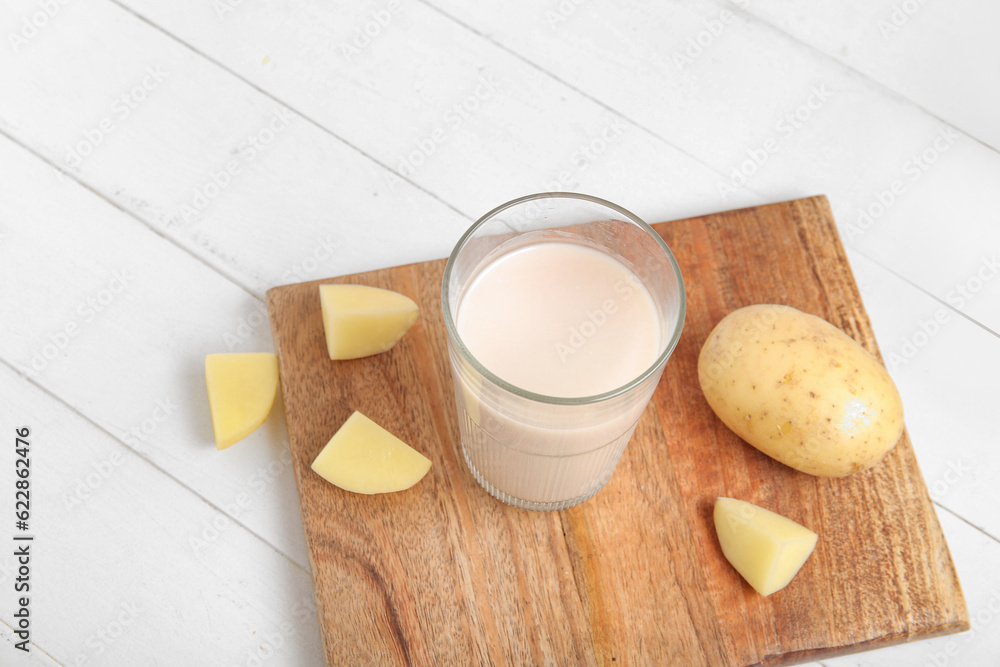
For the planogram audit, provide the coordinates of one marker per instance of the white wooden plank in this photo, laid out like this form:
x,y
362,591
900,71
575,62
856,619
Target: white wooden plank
x,y
238,180
105,314
437,103
16,657
530,134
761,107
941,230
815,158
938,54
962,181
124,566
945,369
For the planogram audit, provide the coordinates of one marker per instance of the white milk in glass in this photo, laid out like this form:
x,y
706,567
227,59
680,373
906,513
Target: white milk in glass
x,y
563,320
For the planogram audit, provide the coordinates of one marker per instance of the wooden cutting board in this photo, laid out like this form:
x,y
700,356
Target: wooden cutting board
x,y
443,574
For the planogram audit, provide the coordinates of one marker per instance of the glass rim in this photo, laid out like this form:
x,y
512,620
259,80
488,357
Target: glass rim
x,y
452,328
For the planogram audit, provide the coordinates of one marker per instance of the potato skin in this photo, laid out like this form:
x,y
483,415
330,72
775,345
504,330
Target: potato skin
x,y
800,390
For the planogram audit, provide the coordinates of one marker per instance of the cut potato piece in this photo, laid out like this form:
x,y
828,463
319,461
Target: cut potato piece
x,y
361,320
241,391
766,548
365,458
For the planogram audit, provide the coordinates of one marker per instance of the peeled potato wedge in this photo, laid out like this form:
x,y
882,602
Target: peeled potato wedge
x,y
241,391
767,549
360,321
363,457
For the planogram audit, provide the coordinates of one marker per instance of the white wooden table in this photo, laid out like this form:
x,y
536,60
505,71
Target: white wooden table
x,y
164,162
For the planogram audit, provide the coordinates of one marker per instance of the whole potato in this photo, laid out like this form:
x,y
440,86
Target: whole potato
x,y
800,390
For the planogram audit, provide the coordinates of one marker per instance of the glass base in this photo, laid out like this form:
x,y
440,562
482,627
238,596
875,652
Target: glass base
x,y
530,504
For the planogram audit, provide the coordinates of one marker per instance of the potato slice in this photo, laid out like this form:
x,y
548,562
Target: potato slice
x,y
360,321
766,548
363,457
241,391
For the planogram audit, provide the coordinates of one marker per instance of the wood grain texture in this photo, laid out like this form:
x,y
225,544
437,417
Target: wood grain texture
x,y
443,574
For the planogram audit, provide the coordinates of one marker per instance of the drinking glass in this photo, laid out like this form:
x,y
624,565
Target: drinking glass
x,y
548,452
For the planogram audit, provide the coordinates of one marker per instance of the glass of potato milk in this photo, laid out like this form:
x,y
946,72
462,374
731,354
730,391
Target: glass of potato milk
x,y
561,311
